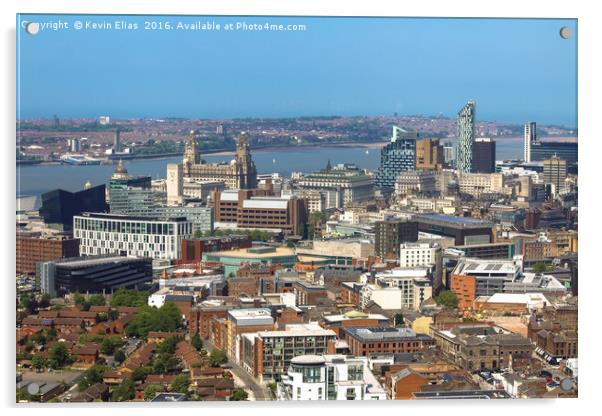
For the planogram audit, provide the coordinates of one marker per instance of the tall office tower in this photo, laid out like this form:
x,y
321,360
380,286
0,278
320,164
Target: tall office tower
x,y
530,137
448,154
554,173
117,142
484,156
466,135
429,154
396,157
131,195
388,235
175,184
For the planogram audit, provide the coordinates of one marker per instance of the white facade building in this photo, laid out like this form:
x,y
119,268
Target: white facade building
x,y
417,254
133,236
330,377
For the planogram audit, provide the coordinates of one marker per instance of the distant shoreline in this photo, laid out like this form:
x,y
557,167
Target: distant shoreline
x,y
303,147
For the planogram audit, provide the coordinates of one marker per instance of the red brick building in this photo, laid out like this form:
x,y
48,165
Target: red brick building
x,y
32,248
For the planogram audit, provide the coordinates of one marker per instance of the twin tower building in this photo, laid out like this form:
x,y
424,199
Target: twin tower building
x,y
239,173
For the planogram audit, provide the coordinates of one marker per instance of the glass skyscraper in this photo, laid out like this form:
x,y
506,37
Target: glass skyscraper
x,y
396,157
466,137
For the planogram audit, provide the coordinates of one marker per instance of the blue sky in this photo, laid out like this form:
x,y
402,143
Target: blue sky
x,y
516,70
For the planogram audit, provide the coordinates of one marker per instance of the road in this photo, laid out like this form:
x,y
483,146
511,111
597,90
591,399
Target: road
x,y
260,391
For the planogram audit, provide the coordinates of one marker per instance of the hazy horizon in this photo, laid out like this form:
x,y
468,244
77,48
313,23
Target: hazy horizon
x,y
516,69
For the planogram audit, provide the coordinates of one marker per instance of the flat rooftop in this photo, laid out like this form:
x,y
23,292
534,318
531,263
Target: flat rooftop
x,y
464,222
95,261
384,333
245,253
480,267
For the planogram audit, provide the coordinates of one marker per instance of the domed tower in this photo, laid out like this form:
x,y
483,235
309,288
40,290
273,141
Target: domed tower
x,y
247,172
120,171
191,153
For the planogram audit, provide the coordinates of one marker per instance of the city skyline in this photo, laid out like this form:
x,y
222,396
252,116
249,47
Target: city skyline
x,y
275,75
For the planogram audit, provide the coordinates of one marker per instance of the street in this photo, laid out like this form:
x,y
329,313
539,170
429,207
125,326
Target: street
x,y
260,391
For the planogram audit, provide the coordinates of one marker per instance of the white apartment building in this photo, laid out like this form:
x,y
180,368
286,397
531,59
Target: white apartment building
x,y
158,238
330,377
398,289
418,254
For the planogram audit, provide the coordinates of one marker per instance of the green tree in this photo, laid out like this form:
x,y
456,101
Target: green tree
x,y
168,345
38,338
151,391
51,334
398,320
28,302
181,383
91,376
197,342
129,297
97,300
78,298
44,301
112,315
58,355
239,395
119,355
108,345
140,373
447,298
123,392
167,318
38,362
217,358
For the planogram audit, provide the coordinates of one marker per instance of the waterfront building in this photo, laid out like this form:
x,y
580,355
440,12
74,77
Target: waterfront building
x,y
131,195
329,377
396,157
240,173
530,137
158,238
568,151
484,155
466,137
59,206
